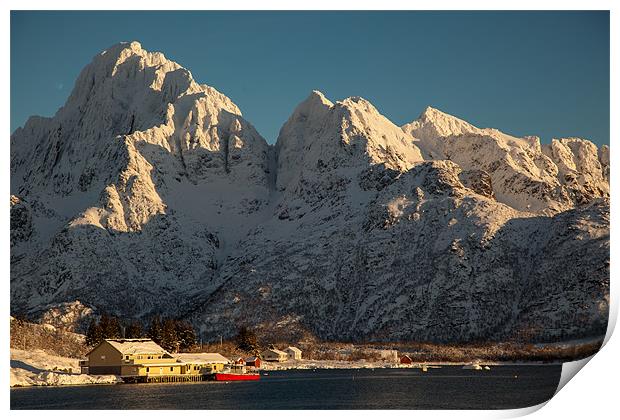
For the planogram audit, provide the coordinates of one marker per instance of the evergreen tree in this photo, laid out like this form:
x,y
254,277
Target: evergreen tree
x,y
94,334
186,335
246,340
169,339
155,331
110,326
134,330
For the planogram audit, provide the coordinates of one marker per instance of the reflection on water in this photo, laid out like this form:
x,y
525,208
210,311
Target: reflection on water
x,y
445,388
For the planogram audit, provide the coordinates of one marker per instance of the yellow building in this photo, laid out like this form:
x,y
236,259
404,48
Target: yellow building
x,y
203,363
142,359
131,357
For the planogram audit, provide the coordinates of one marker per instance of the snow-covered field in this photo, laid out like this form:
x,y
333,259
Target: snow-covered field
x,y
38,368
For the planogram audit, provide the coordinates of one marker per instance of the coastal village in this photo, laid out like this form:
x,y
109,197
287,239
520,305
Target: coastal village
x,y
142,360
43,355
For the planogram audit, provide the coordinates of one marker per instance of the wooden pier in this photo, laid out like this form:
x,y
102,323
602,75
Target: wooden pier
x,y
165,378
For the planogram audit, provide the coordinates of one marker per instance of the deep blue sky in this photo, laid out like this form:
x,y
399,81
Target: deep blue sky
x,y
526,73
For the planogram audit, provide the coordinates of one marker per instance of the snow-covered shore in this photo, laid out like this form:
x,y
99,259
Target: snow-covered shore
x,y
341,364
38,368
330,364
344,364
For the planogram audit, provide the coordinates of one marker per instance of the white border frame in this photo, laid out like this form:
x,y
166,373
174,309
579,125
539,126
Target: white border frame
x,y
591,395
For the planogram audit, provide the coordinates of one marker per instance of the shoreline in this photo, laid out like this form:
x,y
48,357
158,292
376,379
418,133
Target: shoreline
x,y
36,367
333,364
94,380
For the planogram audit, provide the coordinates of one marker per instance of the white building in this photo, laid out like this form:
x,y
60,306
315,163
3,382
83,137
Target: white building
x,y
273,355
388,355
293,353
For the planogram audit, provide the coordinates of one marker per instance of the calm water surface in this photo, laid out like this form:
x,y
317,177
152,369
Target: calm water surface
x,y
444,388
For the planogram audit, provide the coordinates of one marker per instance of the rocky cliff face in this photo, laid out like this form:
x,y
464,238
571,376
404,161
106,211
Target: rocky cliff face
x,y
149,193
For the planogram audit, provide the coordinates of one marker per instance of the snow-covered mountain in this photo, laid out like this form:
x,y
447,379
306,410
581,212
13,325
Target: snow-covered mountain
x,y
149,193
128,197
524,175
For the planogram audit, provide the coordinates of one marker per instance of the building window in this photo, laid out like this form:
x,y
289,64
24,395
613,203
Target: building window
x,y
147,369
127,357
171,369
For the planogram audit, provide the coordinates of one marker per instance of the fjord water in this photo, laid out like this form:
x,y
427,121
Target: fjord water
x,y
452,387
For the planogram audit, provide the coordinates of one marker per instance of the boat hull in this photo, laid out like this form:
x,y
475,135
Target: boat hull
x,y
236,377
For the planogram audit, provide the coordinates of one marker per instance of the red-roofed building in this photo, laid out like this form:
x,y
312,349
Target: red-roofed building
x,y
405,360
253,361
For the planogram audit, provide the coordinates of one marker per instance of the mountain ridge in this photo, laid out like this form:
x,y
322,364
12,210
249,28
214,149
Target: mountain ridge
x,y
148,192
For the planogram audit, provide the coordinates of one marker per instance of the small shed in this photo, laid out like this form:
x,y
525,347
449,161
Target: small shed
x,y
405,360
293,353
274,355
253,361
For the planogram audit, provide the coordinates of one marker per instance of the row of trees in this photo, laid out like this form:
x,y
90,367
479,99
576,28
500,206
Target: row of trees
x,y
107,327
246,341
170,334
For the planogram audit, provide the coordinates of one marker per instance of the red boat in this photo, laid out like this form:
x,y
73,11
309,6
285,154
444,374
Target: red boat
x,y
236,376
236,373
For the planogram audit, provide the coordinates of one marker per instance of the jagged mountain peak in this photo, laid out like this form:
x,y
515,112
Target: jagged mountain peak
x,y
440,124
138,165
523,174
361,110
318,96
357,101
122,50
316,104
321,135
575,143
578,150
431,113
121,45
118,54
127,66
130,95
581,166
